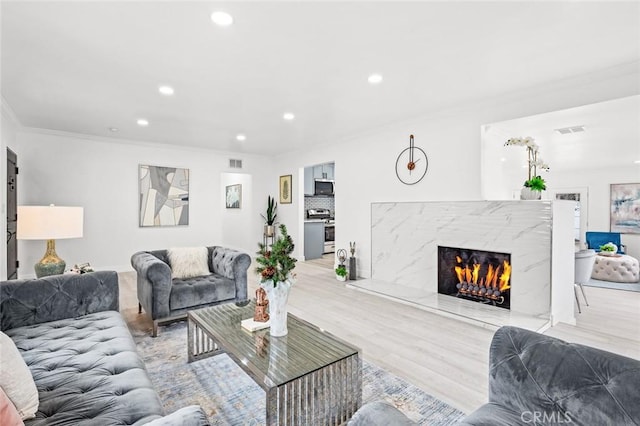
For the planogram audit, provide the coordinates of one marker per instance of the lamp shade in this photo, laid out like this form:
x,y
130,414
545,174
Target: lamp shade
x,y
49,222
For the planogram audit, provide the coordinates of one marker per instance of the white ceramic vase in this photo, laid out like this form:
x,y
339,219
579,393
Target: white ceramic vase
x,y
529,194
278,294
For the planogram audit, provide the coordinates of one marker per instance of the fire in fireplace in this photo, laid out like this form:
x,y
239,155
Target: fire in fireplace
x,y
479,275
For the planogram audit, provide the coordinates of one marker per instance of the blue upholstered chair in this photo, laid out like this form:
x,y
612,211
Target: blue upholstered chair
x,y
597,239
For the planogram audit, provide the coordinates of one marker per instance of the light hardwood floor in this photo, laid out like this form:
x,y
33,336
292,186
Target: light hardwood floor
x,y
445,357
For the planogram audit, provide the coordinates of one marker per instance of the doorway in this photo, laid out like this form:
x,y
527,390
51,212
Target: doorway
x,y
12,215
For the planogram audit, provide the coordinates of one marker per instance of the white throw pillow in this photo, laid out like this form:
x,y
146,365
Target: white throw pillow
x,y
188,262
16,379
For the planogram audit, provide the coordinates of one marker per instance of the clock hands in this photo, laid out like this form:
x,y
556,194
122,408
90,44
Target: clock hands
x,y
412,164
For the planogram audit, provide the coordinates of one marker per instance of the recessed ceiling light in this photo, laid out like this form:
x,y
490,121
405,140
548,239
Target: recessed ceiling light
x,y
637,162
166,90
375,79
503,159
222,18
142,122
288,116
241,137
113,129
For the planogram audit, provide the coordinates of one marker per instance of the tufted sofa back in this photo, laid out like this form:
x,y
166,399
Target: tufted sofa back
x,y
533,373
56,297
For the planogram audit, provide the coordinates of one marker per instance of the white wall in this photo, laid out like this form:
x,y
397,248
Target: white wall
x,y
102,177
364,164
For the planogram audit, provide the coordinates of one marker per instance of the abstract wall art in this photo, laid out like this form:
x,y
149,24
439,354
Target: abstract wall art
x,y
625,208
164,196
233,196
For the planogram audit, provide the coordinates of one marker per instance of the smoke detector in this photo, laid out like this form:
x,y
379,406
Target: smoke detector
x,y
572,129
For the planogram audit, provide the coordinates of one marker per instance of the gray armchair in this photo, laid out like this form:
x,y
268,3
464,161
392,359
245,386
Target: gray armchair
x,y
536,379
165,298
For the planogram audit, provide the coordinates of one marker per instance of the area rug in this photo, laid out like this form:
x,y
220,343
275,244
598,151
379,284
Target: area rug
x,y
617,286
230,397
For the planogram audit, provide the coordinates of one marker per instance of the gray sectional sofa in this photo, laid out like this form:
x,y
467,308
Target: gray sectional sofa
x,y
80,353
166,298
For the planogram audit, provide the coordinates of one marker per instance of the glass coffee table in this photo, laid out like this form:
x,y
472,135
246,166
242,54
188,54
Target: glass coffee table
x,y
310,376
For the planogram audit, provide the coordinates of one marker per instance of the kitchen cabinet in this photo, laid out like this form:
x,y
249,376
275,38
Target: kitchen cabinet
x,y
323,171
313,240
308,181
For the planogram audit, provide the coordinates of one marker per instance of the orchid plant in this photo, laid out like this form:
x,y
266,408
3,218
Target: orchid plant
x,y
535,162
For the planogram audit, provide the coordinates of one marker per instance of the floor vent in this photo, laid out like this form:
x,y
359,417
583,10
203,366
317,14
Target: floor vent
x,y
235,164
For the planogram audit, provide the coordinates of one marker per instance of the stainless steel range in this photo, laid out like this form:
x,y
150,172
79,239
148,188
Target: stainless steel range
x,y
329,227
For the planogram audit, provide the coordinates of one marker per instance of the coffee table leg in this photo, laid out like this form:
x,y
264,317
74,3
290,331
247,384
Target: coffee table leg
x,y
199,344
328,396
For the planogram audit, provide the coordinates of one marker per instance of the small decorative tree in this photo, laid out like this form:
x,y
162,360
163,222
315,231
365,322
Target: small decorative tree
x,y
275,262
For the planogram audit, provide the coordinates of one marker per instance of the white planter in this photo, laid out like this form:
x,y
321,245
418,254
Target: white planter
x,y
339,278
278,296
528,194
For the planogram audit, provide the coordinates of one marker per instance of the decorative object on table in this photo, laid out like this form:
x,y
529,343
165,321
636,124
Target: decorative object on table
x,y
270,218
81,268
535,184
49,223
352,261
625,208
608,249
233,196
262,305
412,164
164,196
286,190
276,278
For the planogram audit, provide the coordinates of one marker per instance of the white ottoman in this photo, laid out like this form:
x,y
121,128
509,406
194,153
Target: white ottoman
x,y
619,268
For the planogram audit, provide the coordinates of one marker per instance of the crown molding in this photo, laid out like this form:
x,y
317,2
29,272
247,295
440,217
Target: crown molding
x,y
124,141
9,112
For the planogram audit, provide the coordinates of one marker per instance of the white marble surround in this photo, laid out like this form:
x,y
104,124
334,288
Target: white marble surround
x,y
404,247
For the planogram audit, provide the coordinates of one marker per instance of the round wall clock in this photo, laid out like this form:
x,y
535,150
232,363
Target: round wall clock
x,y
412,164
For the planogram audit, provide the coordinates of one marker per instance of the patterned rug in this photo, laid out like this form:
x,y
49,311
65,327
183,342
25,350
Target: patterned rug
x,y
230,397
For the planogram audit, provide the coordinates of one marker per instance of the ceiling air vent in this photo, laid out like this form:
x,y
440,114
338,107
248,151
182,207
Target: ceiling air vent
x,y
235,164
572,129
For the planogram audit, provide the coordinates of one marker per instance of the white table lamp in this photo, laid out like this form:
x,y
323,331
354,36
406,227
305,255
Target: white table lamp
x,y
49,223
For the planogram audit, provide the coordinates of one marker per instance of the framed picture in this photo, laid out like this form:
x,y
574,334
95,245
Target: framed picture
x,y
625,208
164,196
285,189
233,196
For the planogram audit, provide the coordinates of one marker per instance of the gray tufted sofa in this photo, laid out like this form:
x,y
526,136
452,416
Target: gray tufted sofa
x,y
81,354
539,380
164,298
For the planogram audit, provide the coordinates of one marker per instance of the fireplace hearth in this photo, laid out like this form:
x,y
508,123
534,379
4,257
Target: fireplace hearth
x,y
478,275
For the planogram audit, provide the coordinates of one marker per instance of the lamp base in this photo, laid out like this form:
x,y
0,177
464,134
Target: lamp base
x,y
50,264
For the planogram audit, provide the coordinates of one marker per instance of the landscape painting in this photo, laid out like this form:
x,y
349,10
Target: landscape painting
x,y
625,208
164,196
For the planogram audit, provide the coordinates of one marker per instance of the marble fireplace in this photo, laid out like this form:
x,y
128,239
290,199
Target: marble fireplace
x,y
407,240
